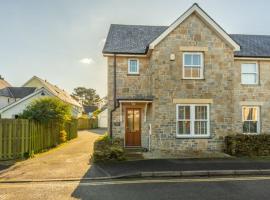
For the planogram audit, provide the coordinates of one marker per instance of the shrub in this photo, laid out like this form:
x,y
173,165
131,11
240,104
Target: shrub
x,y
106,149
63,136
96,112
248,145
47,108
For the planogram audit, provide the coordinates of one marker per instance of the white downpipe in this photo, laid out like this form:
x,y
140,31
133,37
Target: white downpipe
x,y
149,136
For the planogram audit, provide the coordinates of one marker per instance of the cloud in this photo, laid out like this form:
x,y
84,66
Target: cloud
x,y
87,61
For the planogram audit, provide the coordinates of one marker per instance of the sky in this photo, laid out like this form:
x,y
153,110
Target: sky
x,y
62,40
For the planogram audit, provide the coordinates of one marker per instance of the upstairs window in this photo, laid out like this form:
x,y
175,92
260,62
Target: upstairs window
x,y
249,73
251,122
133,66
193,66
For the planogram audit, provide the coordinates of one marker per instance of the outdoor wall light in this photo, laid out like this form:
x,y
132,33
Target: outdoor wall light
x,y
172,57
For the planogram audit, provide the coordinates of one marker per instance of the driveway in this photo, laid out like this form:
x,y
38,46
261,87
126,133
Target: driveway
x,y
70,160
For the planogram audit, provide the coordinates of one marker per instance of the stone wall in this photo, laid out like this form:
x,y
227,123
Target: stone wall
x,y
128,86
168,84
258,95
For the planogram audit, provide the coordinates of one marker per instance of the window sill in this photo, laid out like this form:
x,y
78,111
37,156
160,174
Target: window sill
x,y
193,137
133,74
193,78
250,85
251,133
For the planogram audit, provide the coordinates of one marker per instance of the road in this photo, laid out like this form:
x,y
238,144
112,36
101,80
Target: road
x,y
247,188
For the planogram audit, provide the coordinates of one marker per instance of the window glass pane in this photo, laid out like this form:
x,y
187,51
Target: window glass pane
x,y
136,120
184,127
196,59
250,127
133,67
201,112
249,78
250,113
200,128
184,112
195,72
130,120
187,72
188,59
249,68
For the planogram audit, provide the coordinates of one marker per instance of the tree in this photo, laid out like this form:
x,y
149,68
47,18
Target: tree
x,y
47,108
88,96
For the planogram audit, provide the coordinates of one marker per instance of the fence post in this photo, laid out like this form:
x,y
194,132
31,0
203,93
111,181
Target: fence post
x,y
1,141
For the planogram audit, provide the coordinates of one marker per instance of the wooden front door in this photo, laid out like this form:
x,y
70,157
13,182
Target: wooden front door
x,y
133,127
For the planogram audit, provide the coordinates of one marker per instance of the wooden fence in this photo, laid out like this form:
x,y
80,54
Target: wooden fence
x,y
87,123
21,137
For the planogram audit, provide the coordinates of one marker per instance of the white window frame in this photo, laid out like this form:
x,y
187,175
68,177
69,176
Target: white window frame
x,y
258,119
138,66
192,121
256,73
201,65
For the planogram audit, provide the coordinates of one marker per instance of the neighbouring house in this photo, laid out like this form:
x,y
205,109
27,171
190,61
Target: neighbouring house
x,y
8,95
89,110
13,109
103,102
103,118
39,83
13,100
3,83
186,86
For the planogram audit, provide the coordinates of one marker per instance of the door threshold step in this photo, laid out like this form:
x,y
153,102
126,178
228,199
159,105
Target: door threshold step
x,y
135,149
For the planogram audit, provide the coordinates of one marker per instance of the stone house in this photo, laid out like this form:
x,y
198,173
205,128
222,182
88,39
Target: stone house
x,y
184,87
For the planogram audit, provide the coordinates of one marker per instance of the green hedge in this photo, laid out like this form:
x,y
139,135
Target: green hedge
x,y
106,149
248,145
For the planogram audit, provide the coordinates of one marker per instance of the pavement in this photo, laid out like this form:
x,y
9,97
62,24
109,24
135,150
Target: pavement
x,y
180,168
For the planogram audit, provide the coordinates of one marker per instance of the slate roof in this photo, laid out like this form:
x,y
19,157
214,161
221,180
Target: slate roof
x,y
90,109
136,98
252,45
130,39
17,92
135,39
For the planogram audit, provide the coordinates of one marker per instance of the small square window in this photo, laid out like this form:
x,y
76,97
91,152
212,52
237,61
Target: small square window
x,y
133,66
193,65
249,73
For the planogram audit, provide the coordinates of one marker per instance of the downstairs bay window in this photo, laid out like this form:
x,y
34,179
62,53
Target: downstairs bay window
x,y
192,120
